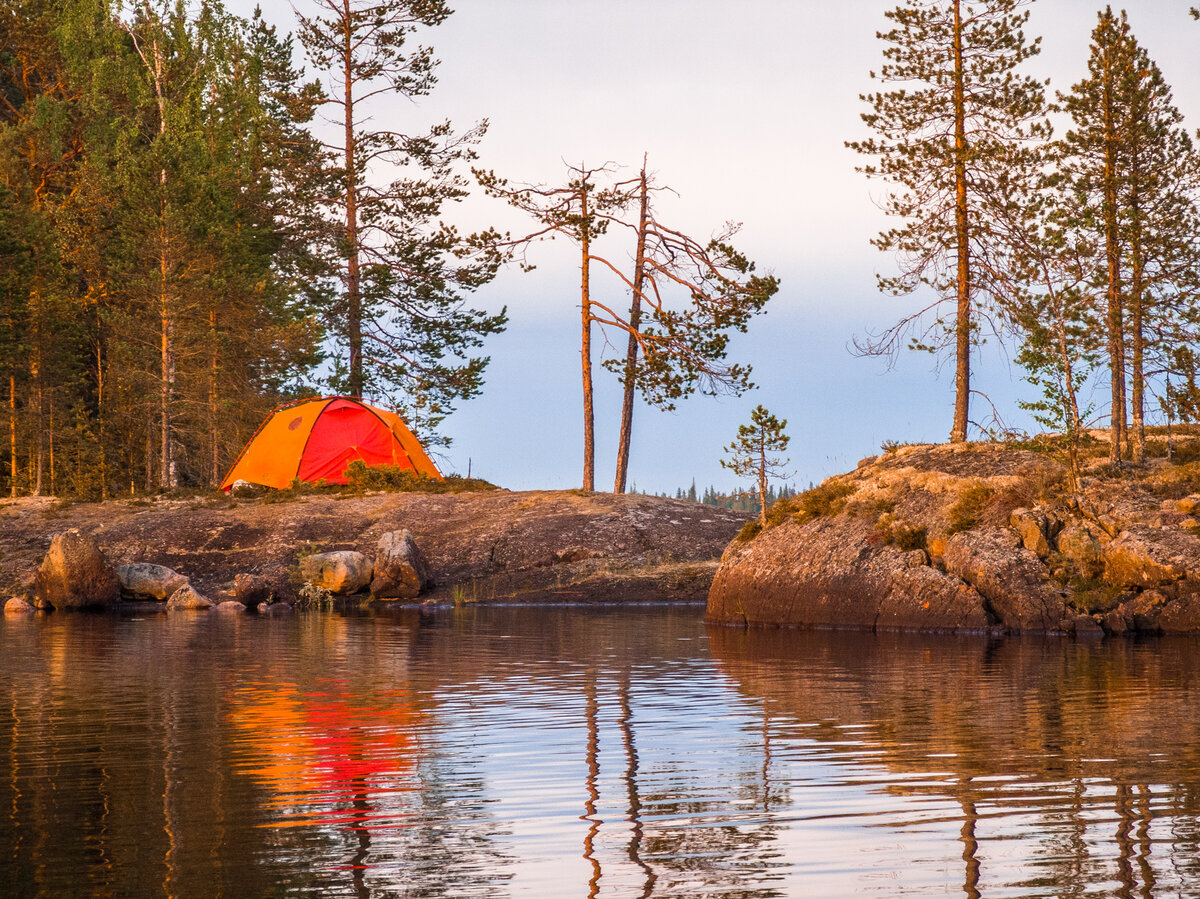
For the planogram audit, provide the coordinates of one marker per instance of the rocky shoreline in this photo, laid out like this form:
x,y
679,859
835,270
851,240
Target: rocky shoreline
x,y
487,546
975,538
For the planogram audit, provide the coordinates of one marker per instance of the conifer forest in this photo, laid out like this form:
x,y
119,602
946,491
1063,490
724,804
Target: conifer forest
x,y
193,230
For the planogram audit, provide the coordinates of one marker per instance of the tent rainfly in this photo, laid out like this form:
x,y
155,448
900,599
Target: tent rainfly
x,y
315,440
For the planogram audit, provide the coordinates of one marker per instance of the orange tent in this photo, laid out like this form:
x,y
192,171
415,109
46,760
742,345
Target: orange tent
x,y
315,440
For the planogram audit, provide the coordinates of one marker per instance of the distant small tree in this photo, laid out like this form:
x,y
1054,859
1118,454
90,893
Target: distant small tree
x,y
751,453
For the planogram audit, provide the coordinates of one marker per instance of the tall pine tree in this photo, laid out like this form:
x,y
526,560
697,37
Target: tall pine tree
x,y
954,132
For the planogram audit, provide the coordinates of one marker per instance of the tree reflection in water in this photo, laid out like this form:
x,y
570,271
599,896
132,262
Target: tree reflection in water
x,y
1053,738
607,752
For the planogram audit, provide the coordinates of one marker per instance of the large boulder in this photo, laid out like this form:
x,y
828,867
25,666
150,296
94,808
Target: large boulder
x,y
339,572
1010,577
1151,557
401,571
75,575
16,605
252,589
186,598
141,580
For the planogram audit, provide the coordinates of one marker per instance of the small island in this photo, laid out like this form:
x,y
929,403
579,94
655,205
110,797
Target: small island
x,y
978,537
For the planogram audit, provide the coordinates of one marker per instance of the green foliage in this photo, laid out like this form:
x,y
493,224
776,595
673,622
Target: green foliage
x,y
751,453
398,276
967,511
750,530
1092,596
361,477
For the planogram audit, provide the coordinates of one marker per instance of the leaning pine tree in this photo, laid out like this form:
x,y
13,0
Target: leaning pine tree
x,y
954,140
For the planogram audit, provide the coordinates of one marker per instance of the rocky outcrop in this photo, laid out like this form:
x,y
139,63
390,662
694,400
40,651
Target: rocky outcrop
x,y
76,575
142,580
340,573
995,563
401,571
969,538
15,605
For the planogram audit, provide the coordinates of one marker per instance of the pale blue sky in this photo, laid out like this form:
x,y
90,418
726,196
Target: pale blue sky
x,y
743,109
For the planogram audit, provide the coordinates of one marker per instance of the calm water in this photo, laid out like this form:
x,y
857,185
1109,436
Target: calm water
x,y
577,752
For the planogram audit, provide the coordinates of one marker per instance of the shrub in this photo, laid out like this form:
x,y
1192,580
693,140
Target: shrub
x,y
825,499
361,477
750,530
967,512
901,534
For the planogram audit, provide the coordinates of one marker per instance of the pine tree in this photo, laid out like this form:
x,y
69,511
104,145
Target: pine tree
x,y
953,145
1132,169
401,316
751,453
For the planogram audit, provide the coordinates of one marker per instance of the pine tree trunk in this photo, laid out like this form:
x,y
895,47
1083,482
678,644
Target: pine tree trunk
x,y
1137,310
962,375
631,350
353,267
50,440
12,432
1112,250
35,369
213,372
166,471
762,479
100,384
585,349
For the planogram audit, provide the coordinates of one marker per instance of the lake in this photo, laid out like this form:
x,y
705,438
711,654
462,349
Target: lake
x,y
559,751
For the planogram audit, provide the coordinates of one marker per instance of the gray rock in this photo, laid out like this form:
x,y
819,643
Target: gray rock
x,y
186,597
142,580
246,489
339,572
1011,578
401,571
75,575
230,605
923,598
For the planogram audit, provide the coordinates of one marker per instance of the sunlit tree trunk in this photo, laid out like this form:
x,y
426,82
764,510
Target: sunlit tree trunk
x,y
12,432
353,270
1112,256
631,351
962,377
585,347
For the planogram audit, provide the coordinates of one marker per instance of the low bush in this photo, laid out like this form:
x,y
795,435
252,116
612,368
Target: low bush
x,y
360,477
967,512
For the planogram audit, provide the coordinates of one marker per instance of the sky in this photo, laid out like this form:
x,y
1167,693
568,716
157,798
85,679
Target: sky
x,y
743,109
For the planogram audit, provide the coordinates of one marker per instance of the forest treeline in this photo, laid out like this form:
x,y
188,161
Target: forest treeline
x,y
181,248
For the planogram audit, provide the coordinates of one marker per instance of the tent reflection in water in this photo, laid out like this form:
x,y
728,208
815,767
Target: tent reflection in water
x,y
314,440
